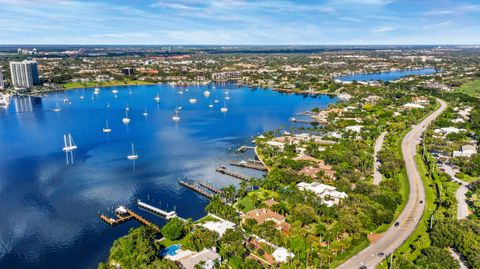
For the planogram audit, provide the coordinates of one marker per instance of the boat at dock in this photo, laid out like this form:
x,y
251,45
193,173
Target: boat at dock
x,y
249,164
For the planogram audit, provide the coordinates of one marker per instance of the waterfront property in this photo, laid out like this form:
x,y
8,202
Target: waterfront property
x,y
101,176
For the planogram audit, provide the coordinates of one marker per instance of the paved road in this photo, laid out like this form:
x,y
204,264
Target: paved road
x,y
377,176
462,206
413,211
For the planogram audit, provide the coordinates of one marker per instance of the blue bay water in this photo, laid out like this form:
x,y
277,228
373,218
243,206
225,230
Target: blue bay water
x,y
49,208
386,76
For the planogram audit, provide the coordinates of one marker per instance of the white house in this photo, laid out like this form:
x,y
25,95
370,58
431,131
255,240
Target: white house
x,y
282,254
219,227
329,194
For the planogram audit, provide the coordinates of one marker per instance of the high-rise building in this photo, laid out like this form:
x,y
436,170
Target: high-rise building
x,y
2,86
128,71
24,74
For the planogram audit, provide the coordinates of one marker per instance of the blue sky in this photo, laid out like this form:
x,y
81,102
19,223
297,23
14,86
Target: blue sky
x,y
327,22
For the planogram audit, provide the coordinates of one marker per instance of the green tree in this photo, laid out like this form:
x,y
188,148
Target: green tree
x,y
174,229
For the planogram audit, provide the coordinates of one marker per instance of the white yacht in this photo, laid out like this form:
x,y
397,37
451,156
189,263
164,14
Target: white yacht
x,y
157,98
132,156
96,91
210,105
224,108
206,93
126,120
106,129
180,92
145,113
69,144
176,117
127,108
115,91
192,101
215,101
56,109
81,97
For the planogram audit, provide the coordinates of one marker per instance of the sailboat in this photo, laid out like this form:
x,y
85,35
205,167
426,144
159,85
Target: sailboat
x,y
227,97
180,92
81,97
69,144
115,91
57,109
215,101
106,129
206,93
108,105
157,98
65,99
126,120
145,113
224,108
132,156
210,105
127,108
96,90
176,117
192,100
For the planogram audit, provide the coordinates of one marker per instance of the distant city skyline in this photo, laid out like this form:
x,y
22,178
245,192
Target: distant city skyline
x,y
231,22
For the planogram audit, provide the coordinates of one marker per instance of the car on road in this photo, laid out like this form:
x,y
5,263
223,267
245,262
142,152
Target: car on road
x,y
380,254
396,224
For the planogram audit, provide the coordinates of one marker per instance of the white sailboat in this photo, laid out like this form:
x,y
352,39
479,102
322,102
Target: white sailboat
x,y
108,105
81,97
215,101
132,156
115,91
65,100
127,108
56,109
96,90
176,117
192,100
224,108
126,120
145,113
106,129
180,92
157,98
210,105
206,93
69,144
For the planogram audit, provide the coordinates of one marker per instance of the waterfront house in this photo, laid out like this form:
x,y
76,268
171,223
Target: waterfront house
x,y
219,227
328,193
261,215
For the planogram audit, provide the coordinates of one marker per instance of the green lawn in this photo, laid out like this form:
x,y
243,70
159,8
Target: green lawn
x,y
471,88
246,204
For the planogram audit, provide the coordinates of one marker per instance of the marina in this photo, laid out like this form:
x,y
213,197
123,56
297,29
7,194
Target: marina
x,y
158,211
69,196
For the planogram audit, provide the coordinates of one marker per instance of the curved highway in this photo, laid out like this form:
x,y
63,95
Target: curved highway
x,y
413,211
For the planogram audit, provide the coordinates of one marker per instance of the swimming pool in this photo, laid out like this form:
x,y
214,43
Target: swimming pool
x,y
170,251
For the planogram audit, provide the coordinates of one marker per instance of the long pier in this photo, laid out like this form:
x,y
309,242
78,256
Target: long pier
x,y
295,120
158,211
223,170
195,188
250,165
210,187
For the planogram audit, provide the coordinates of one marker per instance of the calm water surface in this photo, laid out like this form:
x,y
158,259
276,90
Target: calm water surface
x,y
49,208
387,76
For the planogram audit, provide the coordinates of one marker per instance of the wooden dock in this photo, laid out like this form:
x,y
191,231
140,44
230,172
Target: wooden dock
x,y
250,165
210,187
157,211
196,188
223,170
128,216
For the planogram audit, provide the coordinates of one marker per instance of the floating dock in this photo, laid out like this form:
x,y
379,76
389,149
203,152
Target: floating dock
x,y
124,214
251,165
155,210
223,170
